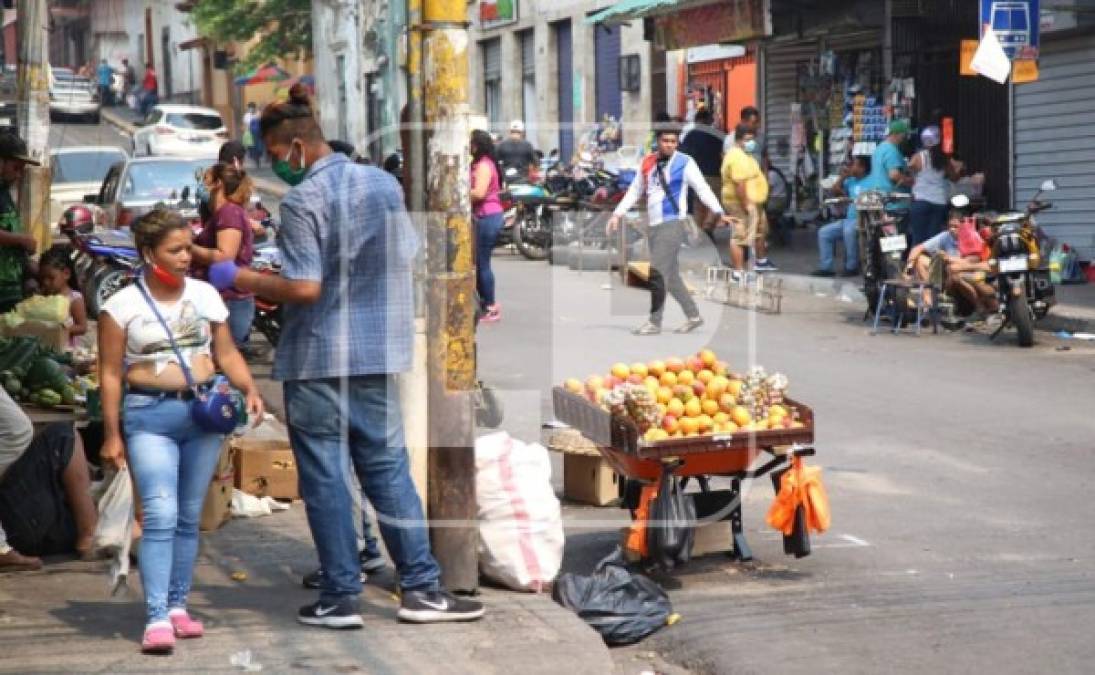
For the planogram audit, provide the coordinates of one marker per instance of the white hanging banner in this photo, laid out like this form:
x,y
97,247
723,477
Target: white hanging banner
x,y
990,59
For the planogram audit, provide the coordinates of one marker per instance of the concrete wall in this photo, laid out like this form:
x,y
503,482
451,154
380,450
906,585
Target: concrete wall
x,y
539,15
336,32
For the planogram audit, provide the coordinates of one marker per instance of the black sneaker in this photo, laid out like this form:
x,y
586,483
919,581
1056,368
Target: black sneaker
x,y
343,614
824,274
371,564
314,580
436,606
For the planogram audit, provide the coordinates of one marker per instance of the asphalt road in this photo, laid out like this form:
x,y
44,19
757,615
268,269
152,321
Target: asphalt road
x,y
958,471
64,133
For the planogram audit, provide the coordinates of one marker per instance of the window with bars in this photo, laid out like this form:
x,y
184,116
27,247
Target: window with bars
x,y
492,80
527,41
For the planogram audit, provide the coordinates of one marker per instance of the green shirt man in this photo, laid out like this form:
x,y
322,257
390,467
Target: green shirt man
x,y
15,244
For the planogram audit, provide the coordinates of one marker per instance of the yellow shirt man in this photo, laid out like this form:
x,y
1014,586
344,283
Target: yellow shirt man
x,y
739,166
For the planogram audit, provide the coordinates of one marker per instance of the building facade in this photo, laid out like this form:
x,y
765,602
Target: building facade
x,y
541,62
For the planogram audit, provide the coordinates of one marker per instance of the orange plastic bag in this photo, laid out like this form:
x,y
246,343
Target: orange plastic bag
x,y
800,485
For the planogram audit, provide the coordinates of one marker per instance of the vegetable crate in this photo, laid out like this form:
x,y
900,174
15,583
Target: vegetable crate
x,y
731,455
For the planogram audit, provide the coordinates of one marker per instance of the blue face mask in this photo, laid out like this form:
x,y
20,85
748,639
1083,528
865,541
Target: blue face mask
x,y
750,146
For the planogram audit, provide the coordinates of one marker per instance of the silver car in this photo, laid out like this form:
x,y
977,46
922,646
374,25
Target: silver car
x,y
132,188
73,96
78,171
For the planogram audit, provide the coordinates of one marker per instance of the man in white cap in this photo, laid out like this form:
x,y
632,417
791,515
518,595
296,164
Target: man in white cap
x,y
515,152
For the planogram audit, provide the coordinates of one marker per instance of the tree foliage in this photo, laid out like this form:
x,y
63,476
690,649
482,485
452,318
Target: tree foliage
x,y
284,27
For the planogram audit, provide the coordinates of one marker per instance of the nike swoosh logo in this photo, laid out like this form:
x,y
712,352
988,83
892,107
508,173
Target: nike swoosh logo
x,y
324,611
441,606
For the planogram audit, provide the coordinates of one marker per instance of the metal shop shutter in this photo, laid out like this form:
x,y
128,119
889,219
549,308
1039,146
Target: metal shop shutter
x,y
609,94
564,49
780,89
1054,138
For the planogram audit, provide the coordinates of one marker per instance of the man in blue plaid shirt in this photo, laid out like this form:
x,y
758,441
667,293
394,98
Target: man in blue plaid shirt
x,y
346,283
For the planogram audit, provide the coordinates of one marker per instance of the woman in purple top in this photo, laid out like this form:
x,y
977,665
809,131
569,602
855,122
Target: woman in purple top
x,y
227,235
488,218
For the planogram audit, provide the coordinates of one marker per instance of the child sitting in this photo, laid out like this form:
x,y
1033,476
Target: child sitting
x,y
57,276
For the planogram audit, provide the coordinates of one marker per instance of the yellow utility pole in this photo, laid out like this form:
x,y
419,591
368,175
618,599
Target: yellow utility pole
x,y
438,66
33,93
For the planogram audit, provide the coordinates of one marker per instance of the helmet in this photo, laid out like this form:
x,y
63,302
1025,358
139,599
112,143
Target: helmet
x,y
517,126
930,136
77,218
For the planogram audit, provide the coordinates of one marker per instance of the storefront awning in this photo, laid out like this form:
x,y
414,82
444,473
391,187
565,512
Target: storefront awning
x,y
628,10
679,24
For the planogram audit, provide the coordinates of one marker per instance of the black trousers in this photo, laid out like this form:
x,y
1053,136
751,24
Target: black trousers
x,y
665,271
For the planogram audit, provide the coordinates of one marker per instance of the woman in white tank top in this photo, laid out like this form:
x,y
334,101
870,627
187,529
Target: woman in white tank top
x,y
931,190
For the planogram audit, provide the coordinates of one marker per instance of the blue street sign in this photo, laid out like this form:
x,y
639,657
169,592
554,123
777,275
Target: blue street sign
x,y
1015,23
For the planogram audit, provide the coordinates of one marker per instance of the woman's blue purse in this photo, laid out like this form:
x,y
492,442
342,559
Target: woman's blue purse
x,y
215,409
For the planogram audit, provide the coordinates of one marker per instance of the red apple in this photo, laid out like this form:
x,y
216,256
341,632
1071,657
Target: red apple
x,y
698,388
695,364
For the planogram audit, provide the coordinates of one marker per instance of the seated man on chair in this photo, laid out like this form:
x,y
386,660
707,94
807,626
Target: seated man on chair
x,y
940,262
849,184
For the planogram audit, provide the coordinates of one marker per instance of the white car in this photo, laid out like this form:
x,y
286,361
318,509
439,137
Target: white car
x,y
180,131
78,171
71,95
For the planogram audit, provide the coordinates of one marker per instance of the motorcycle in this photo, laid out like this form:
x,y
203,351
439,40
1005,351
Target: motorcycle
x,y
881,245
1020,274
527,223
105,262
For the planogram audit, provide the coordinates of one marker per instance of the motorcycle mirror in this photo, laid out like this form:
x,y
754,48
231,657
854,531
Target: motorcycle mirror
x,y
960,201
1050,185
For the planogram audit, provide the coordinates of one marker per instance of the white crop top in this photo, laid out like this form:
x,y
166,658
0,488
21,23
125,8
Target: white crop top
x,y
188,318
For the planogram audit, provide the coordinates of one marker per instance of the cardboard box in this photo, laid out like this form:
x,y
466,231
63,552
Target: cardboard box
x,y
266,468
589,479
217,508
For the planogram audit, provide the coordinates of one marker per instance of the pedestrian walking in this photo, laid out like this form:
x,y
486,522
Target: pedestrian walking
x,y
750,119
744,192
664,179
16,246
515,152
156,337
932,172
348,252
227,235
703,143
488,219
129,77
251,140
105,78
150,90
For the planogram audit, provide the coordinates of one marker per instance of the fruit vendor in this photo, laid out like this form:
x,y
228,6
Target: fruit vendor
x,y
45,507
16,246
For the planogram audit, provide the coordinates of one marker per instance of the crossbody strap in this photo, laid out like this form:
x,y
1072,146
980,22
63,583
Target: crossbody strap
x,y
665,186
170,336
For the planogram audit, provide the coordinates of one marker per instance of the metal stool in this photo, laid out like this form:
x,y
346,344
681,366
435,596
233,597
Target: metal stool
x,y
918,289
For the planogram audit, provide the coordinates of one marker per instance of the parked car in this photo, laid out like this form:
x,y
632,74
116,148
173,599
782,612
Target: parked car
x,y
78,171
133,187
180,131
72,96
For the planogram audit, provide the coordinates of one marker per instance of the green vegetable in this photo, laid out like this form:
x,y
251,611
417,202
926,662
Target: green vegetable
x,y
22,357
46,398
46,373
12,385
68,394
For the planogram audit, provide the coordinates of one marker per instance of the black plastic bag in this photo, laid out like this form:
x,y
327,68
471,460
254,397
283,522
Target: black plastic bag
x,y
672,526
623,607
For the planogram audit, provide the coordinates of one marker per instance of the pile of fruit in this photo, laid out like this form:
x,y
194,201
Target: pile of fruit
x,y
698,396
35,374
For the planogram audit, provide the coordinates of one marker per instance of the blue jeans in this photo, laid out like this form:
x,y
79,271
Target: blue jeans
x,y
487,229
925,221
359,416
241,313
829,235
172,461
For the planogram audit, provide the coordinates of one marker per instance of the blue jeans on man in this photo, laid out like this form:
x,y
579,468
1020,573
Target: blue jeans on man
x,y
359,415
829,235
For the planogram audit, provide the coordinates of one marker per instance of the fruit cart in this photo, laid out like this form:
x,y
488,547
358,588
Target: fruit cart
x,y
740,456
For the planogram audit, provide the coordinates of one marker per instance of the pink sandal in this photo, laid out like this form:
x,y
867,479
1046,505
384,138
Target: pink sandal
x,y
185,626
159,638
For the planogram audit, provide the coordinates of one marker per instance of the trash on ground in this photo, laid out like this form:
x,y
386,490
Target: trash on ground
x,y
245,661
239,576
249,506
623,607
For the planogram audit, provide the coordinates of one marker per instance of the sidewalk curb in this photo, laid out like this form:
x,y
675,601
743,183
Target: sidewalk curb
x,y
261,184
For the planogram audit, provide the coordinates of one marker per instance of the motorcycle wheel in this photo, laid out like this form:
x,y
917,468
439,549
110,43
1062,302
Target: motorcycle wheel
x,y
488,407
103,286
1020,315
526,241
